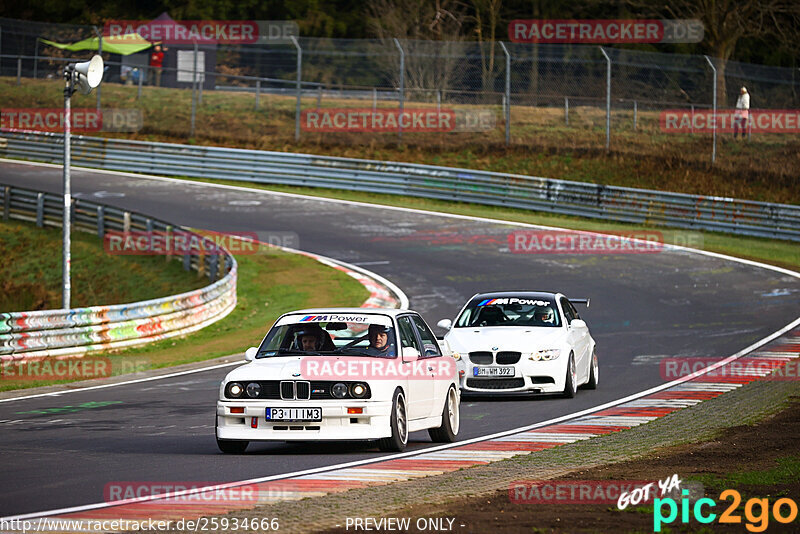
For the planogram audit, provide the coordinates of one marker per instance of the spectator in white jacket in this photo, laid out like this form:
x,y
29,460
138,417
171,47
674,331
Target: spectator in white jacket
x,y
742,113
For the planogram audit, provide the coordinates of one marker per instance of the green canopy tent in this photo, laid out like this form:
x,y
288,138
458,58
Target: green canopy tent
x,y
123,45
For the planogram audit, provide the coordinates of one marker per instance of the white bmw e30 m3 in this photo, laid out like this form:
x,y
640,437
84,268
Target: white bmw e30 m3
x,y
341,374
522,342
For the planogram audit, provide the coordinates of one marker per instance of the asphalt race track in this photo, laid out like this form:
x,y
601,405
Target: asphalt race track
x,y
62,451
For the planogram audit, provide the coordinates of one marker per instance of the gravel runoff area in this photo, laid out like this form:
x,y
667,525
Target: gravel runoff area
x,y
477,497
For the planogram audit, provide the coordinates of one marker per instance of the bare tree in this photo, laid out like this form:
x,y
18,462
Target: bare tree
x,y
430,32
486,14
727,22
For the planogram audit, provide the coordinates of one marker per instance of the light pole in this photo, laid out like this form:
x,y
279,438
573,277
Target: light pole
x,y
84,77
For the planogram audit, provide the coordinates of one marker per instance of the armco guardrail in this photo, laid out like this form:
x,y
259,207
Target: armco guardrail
x,y
80,330
742,217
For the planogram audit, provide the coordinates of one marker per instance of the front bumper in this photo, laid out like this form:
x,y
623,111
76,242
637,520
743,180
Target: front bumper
x,y
536,377
336,424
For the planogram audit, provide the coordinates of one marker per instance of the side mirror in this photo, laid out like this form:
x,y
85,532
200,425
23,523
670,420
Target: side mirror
x,y
578,323
447,324
250,354
410,354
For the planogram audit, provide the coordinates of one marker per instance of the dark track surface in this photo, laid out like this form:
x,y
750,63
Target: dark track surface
x,y
669,303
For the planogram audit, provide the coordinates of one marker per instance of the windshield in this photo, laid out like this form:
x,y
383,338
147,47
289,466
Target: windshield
x,y
364,338
511,311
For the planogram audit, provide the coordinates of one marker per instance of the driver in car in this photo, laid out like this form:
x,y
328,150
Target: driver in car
x,y
379,344
544,315
310,339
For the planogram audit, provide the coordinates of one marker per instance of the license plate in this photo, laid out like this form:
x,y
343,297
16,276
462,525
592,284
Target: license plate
x,y
294,414
492,371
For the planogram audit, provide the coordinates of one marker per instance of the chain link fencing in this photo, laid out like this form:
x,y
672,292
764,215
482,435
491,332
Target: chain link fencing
x,y
549,96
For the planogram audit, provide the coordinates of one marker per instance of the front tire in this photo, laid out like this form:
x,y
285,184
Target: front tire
x,y
399,424
451,420
570,384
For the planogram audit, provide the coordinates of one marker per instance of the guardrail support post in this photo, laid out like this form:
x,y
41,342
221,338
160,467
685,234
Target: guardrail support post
x,y
40,210
507,93
187,262
126,222
714,114
608,99
299,87
6,202
258,93
101,222
402,93
148,225
212,269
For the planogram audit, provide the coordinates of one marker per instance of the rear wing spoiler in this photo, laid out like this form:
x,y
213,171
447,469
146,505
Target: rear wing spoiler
x,y
580,301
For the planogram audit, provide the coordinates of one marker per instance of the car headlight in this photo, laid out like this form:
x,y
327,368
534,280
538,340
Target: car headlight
x,y
546,354
358,390
253,390
339,390
235,390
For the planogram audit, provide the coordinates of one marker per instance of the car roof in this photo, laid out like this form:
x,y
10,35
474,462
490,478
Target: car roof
x,y
525,294
393,312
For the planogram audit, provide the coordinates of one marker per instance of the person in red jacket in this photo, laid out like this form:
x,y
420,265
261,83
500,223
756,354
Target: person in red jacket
x,y
156,64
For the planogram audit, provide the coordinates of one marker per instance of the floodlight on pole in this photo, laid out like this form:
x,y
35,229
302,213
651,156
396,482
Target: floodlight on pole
x,y
84,77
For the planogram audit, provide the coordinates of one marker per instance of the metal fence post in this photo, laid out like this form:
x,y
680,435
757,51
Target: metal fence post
x,y
507,93
200,83
401,95
438,101
635,115
714,107
299,87
139,89
374,100
608,99
36,59
6,202
691,124
566,110
194,89
258,93
19,70
319,96
99,34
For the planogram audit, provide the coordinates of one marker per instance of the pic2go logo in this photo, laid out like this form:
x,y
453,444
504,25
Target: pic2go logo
x,y
757,521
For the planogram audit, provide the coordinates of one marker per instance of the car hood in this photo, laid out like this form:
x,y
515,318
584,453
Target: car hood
x,y
505,338
274,368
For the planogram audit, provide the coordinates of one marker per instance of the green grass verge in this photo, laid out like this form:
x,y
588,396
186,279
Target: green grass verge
x,y
541,143
772,251
30,273
270,283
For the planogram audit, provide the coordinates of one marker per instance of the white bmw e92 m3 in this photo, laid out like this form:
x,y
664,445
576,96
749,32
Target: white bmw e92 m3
x,y
522,342
341,374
